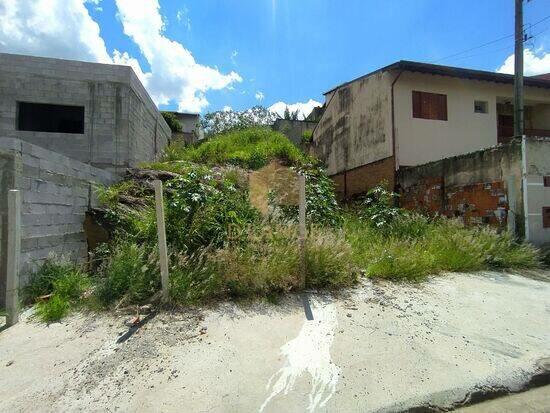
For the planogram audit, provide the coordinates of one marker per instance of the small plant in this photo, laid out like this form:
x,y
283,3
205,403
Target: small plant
x,y
57,285
53,309
377,207
307,137
42,281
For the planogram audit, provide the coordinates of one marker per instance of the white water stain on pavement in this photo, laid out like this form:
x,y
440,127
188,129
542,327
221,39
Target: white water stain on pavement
x,y
309,353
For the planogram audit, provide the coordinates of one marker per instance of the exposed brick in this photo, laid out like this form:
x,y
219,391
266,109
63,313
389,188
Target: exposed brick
x,y
359,180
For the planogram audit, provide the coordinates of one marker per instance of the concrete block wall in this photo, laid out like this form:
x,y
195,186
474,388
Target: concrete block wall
x,y
293,129
56,193
122,126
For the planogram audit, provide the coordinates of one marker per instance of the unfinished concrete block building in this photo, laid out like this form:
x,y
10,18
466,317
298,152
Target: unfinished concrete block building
x,y
65,127
95,113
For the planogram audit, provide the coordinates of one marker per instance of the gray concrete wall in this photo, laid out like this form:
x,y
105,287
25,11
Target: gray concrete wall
x,y
56,193
122,126
536,163
356,127
293,129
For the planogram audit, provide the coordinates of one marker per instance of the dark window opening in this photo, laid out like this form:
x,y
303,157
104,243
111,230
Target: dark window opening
x,y
547,181
44,117
546,217
429,105
481,106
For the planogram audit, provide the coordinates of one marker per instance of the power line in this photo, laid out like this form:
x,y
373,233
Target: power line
x,y
491,42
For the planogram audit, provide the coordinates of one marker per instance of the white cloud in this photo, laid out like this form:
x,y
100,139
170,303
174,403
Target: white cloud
x,y
304,109
65,29
535,62
259,96
227,109
175,75
62,29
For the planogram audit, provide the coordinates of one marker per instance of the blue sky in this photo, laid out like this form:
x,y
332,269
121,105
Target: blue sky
x,y
245,52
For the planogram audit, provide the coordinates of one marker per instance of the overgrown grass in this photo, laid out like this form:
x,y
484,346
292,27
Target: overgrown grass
x,y
249,148
130,273
57,285
413,246
270,262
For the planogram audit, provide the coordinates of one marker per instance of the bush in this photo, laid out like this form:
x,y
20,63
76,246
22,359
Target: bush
x,y
63,282
321,205
53,271
172,121
202,211
377,207
130,272
249,148
307,137
53,310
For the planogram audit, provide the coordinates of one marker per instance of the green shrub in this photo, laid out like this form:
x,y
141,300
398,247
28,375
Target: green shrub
x,y
43,281
203,210
321,205
172,121
307,137
53,309
131,271
378,208
62,281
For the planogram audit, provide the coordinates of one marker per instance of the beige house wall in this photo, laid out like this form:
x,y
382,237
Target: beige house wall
x,y
420,141
356,127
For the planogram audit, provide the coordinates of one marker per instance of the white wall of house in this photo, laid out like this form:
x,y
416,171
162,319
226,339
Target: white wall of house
x,y
424,140
356,127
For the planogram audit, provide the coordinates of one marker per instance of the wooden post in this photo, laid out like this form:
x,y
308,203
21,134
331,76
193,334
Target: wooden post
x,y
302,224
163,251
14,256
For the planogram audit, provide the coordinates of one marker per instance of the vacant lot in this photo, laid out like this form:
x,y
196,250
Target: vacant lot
x,y
379,346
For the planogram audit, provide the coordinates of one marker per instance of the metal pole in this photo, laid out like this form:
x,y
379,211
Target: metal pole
x,y
518,71
14,256
163,250
302,225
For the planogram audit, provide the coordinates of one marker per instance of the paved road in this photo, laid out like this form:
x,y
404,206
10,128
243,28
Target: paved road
x,y
380,347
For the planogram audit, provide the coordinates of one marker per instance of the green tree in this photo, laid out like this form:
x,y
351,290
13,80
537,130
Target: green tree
x,y
172,121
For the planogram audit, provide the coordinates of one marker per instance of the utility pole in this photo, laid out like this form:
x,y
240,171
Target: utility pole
x,y
518,71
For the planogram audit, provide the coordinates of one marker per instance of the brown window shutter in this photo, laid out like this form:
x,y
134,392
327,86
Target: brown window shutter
x,y
417,104
546,217
429,105
547,181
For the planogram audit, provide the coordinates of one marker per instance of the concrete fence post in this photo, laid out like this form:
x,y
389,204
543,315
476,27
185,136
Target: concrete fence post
x,y
302,225
163,250
13,256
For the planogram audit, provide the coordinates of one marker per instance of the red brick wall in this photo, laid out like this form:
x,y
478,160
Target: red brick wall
x,y
481,203
359,180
